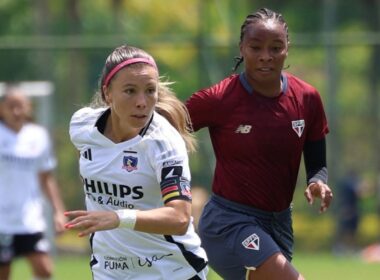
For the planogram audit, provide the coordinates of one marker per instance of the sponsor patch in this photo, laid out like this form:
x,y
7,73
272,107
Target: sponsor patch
x,y
172,162
172,171
185,188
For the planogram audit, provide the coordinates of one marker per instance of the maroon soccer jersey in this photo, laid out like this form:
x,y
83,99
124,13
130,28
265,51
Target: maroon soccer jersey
x,y
258,141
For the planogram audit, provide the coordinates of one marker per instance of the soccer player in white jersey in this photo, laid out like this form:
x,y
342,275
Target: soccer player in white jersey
x,y
26,171
136,178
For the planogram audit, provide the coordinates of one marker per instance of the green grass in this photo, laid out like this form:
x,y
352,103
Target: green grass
x,y
327,267
314,266
66,268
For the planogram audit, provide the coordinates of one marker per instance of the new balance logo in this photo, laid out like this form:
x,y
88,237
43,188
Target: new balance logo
x,y
87,154
244,129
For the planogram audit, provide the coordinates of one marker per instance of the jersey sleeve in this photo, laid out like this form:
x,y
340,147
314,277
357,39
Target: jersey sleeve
x,y
207,107
318,121
80,125
202,107
170,160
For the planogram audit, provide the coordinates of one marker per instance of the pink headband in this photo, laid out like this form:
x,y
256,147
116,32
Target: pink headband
x,y
125,63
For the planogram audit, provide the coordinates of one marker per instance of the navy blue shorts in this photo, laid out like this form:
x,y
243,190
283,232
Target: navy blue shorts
x,y
14,245
237,237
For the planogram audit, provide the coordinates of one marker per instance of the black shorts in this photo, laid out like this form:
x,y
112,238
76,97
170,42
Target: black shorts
x,y
14,245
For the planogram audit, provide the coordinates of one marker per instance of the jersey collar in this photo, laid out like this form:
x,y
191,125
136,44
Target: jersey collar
x,y
102,120
249,89
101,123
144,129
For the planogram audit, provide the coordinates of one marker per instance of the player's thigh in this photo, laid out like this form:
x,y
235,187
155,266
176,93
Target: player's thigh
x,y
35,248
274,268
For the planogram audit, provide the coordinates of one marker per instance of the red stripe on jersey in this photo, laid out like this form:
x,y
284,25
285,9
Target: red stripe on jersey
x,y
169,189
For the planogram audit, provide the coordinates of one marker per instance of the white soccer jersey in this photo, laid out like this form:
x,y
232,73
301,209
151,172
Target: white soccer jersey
x,y
23,155
141,173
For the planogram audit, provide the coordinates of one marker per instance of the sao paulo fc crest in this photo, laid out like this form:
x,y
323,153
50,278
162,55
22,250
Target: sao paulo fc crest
x,y
298,126
252,242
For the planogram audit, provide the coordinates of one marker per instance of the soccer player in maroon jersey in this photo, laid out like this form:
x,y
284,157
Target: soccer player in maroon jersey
x,y
260,123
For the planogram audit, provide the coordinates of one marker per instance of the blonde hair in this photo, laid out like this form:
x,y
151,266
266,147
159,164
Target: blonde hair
x,y
168,105
175,111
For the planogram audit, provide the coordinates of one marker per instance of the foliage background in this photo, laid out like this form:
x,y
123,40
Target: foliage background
x,y
334,46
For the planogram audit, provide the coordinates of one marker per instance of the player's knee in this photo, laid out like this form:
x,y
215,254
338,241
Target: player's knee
x,y
275,267
42,277
43,274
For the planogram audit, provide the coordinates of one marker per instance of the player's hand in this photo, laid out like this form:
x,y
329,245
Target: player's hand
x,y
319,190
59,222
88,222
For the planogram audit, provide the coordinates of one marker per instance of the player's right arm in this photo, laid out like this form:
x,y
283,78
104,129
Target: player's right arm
x,y
172,219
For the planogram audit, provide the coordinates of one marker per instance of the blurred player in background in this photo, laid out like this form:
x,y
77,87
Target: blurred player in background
x,y
135,171
260,122
350,189
27,163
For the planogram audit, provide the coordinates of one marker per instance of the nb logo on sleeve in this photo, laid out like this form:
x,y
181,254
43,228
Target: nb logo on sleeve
x,y
244,129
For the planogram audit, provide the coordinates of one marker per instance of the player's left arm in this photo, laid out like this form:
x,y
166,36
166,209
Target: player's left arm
x,y
316,171
49,186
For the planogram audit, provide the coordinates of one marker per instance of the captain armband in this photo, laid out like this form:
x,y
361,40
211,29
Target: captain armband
x,y
175,188
127,218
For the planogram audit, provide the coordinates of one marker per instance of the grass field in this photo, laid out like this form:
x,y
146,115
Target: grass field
x,y
314,266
